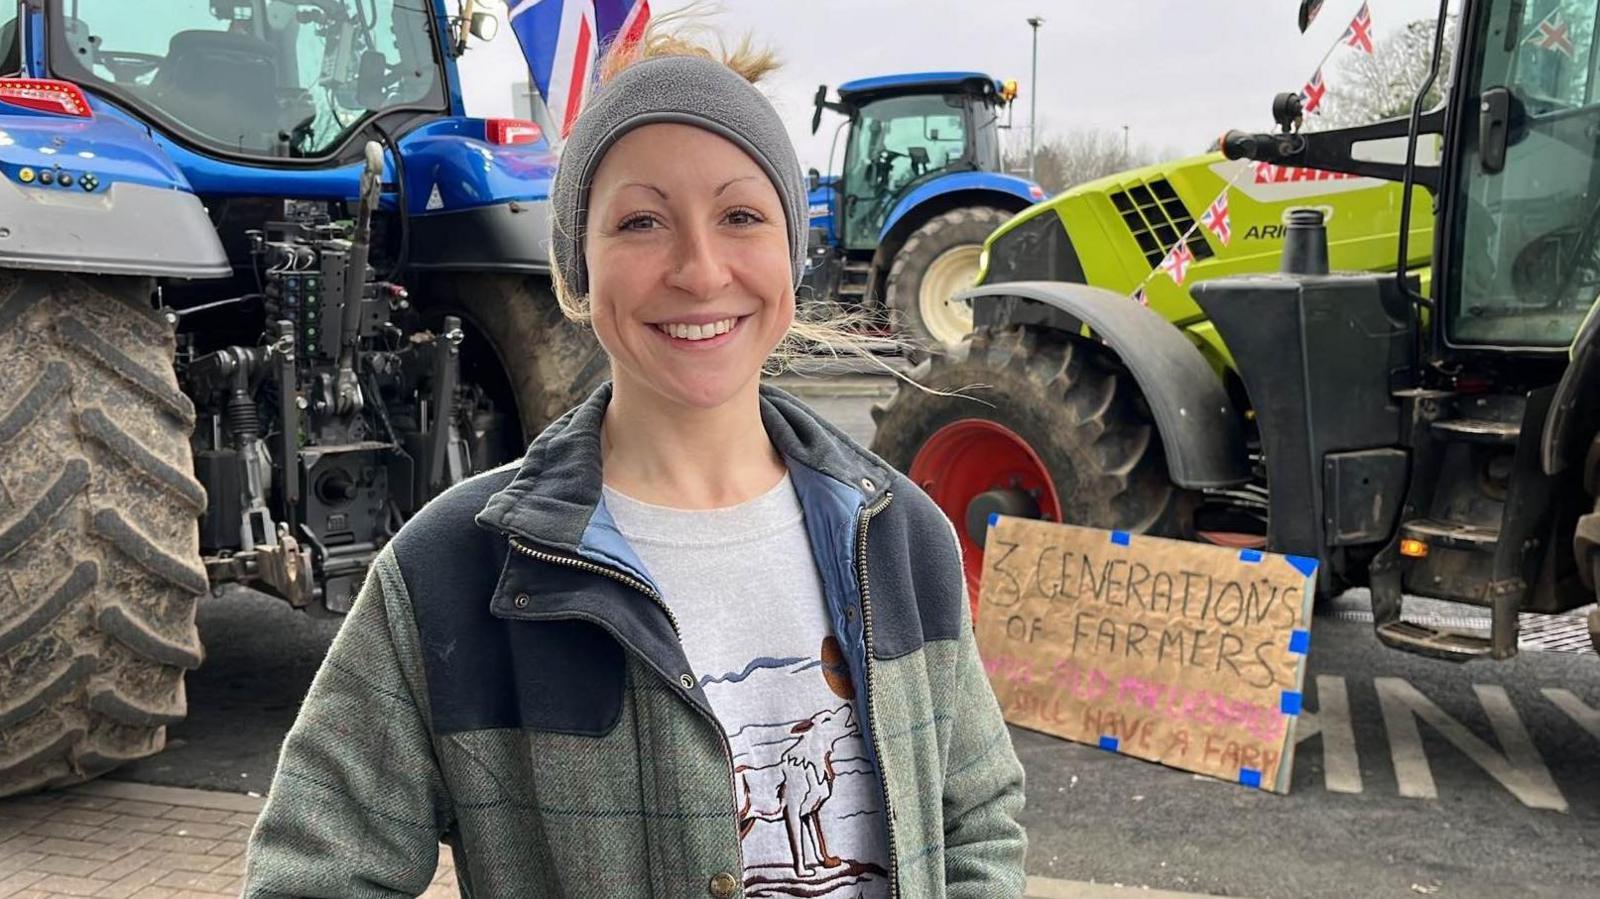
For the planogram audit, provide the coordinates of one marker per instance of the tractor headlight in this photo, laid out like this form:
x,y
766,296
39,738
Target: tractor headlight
x,y
1035,250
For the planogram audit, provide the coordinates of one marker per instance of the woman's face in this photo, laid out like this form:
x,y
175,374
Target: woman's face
x,y
689,267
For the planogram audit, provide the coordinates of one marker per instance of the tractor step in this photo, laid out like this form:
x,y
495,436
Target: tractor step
x,y
1452,534
855,280
1437,642
1478,430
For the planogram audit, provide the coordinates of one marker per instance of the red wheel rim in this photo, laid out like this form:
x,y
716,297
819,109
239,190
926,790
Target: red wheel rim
x,y
973,456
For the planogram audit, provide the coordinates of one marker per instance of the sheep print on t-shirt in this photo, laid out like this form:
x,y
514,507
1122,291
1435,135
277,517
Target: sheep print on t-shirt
x,y
745,590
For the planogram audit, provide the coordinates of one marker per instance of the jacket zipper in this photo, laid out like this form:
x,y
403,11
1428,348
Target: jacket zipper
x,y
612,573
872,713
650,592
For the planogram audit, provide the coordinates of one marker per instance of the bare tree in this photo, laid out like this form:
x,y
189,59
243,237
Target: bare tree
x,y
1364,88
1069,159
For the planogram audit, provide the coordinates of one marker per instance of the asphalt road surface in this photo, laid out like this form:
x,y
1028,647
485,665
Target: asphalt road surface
x,y
1412,777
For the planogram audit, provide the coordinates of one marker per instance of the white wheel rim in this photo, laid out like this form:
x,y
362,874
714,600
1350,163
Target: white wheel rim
x,y
948,319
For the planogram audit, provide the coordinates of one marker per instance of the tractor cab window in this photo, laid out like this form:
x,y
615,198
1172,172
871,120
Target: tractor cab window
x,y
1525,263
273,78
894,142
10,40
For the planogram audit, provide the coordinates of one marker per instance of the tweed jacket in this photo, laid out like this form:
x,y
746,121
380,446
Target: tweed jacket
x,y
510,682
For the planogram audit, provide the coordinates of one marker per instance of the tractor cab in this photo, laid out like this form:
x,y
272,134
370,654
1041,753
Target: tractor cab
x,y
905,130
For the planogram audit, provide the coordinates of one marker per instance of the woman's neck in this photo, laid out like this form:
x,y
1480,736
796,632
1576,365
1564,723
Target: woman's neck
x,y
686,458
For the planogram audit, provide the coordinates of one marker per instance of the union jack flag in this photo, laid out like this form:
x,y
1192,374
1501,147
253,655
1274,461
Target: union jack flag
x,y
562,40
1359,34
1313,93
1216,219
1553,34
1176,263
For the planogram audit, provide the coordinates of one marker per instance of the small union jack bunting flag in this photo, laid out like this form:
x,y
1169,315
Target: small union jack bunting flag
x,y
1359,34
1312,94
1176,264
1216,219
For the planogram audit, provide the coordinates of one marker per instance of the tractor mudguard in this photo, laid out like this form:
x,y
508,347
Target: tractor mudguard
x,y
1008,191
99,196
504,237
1200,430
476,205
1575,409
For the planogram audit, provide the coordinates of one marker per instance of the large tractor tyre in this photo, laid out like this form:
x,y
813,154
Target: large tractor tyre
x,y
938,260
1058,431
100,568
549,364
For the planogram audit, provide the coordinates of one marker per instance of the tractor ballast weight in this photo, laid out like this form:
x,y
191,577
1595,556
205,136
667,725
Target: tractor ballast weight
x,y
265,290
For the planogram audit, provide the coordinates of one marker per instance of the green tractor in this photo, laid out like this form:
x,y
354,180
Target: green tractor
x,y
1064,433
1440,442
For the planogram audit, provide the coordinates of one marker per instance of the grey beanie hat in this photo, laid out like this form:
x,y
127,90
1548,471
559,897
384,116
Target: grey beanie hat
x,y
687,90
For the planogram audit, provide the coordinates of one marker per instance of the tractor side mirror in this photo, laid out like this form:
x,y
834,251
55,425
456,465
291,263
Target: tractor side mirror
x,y
813,179
372,80
485,25
819,101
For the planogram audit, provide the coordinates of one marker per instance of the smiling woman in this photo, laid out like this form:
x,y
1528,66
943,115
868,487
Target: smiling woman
x,y
662,654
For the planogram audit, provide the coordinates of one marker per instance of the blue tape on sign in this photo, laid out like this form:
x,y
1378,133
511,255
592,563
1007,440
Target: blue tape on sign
x,y
1121,538
1290,704
1300,641
994,518
1304,564
1109,744
1249,555
1250,777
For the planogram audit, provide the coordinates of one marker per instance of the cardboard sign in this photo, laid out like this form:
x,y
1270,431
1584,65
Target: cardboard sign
x,y
1187,654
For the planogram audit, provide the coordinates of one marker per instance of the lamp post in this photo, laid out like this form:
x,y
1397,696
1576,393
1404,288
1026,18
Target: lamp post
x,y
1033,113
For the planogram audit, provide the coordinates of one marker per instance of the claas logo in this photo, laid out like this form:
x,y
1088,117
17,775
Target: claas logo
x,y
1267,173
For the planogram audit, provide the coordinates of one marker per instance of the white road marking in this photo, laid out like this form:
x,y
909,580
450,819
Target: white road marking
x,y
1341,765
1520,768
1565,700
1051,888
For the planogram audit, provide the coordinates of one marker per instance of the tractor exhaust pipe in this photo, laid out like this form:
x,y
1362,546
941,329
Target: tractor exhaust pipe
x,y
1305,246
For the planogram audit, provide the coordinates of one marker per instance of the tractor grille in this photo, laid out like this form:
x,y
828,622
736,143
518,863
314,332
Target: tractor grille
x,y
1036,250
1157,218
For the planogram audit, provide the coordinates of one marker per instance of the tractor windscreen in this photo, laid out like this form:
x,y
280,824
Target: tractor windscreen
x,y
897,141
1525,252
271,78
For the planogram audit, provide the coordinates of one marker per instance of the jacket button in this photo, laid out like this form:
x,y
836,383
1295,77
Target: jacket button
x,y
723,886
867,485
521,601
687,680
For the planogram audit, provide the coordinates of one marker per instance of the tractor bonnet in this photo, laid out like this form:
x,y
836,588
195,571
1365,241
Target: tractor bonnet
x,y
686,90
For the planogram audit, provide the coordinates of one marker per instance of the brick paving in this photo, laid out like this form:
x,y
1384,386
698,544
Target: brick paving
x,y
135,841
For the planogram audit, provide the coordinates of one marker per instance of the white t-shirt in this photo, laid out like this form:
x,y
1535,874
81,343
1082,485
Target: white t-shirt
x,y
749,603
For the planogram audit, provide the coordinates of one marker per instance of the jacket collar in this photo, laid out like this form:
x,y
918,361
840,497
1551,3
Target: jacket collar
x,y
555,497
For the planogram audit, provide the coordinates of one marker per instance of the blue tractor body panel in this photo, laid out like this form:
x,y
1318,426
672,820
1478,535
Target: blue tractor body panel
x,y
115,150
1005,190
821,203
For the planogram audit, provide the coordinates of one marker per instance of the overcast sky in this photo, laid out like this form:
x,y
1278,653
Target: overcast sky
x,y
1176,72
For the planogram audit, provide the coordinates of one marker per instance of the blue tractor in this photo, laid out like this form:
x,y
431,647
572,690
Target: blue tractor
x,y
901,229
264,290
